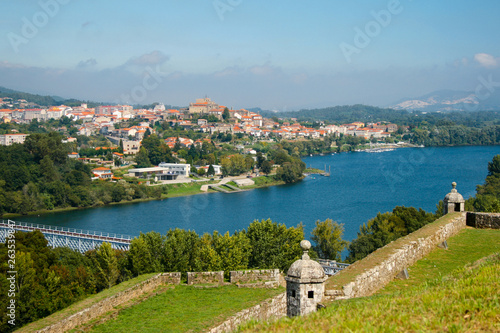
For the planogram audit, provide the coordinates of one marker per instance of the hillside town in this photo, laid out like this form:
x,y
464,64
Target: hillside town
x,y
203,115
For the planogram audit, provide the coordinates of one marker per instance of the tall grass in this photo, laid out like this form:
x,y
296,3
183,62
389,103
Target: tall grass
x,y
466,301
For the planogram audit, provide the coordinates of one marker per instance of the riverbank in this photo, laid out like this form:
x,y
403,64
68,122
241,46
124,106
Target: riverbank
x,y
174,191
403,177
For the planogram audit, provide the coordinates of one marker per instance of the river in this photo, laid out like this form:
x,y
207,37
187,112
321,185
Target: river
x,y
361,185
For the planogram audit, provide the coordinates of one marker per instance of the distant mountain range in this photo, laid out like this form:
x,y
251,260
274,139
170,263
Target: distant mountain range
x,y
442,100
451,100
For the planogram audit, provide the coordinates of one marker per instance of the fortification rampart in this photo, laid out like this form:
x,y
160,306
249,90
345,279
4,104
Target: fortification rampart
x,y
111,302
216,278
255,278
375,278
483,220
273,308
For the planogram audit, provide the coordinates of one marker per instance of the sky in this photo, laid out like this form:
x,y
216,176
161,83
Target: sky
x,y
277,55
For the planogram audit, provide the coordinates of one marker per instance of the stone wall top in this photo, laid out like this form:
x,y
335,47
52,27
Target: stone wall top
x,y
483,220
215,278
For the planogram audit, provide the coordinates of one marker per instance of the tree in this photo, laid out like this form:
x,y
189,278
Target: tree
x,y
385,228
494,166
291,172
142,158
234,251
181,251
48,170
266,167
50,144
260,159
211,170
105,266
157,150
208,259
146,252
274,245
328,238
225,114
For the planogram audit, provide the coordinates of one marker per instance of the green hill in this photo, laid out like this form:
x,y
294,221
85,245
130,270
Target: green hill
x,y
40,99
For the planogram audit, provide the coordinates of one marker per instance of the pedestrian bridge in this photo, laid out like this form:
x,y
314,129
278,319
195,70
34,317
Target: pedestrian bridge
x,y
331,267
76,239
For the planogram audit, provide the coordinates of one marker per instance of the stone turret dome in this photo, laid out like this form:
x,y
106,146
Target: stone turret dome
x,y
305,269
454,196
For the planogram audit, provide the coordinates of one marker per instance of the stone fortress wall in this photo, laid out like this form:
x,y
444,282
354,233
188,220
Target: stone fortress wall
x,y
215,278
256,277
483,220
377,277
111,302
270,309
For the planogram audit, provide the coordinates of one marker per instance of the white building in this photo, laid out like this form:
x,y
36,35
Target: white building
x,y
8,139
165,171
177,169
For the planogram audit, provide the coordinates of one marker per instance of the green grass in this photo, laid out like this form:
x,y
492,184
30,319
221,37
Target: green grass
x,y
377,257
264,181
313,170
83,304
468,300
182,189
466,247
185,309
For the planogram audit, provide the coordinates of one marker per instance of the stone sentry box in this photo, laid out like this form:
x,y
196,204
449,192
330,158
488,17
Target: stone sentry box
x,y
453,201
304,284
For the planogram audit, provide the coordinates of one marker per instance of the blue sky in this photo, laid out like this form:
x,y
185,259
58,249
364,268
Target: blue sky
x,y
283,55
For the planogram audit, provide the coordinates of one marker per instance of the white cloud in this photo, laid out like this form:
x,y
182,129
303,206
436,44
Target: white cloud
x,y
87,63
264,85
486,60
149,59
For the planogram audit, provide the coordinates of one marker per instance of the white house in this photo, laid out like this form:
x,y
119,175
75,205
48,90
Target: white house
x,y
102,173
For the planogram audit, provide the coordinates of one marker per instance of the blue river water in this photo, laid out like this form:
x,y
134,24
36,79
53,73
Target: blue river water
x,y
361,185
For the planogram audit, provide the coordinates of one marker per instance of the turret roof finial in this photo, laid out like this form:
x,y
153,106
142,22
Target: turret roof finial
x,y
305,245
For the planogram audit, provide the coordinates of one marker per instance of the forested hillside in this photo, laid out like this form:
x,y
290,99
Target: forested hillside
x,y
38,175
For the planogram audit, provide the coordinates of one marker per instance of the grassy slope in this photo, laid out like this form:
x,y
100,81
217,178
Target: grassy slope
x,y
186,308
431,300
468,246
83,304
375,258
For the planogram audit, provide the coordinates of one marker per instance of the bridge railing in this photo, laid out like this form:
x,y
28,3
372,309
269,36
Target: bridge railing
x,y
64,230
331,267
